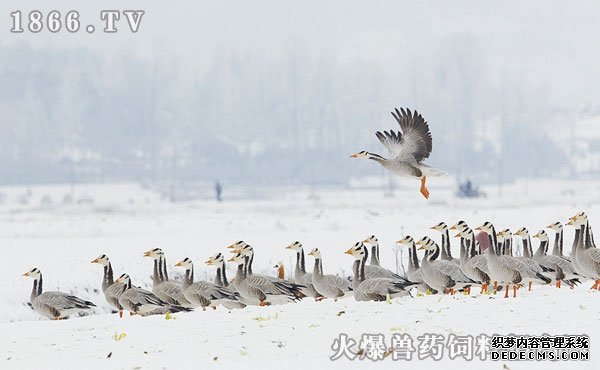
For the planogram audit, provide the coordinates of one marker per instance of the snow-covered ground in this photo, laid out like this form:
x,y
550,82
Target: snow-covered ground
x,y
62,237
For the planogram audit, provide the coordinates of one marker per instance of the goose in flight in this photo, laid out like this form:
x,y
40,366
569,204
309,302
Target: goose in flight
x,y
408,149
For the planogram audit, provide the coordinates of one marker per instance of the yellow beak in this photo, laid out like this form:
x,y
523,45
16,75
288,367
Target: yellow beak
x,y
365,241
26,274
231,246
209,262
95,261
232,259
147,254
236,251
478,228
571,222
457,236
421,247
311,253
453,227
354,155
349,251
178,264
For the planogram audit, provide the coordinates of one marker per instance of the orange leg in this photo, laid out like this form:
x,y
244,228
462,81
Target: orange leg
x,y
121,314
424,190
530,283
558,284
264,303
506,291
514,291
495,287
596,283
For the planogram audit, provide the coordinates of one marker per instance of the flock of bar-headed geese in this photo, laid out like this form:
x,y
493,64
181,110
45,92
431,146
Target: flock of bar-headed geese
x,y
486,261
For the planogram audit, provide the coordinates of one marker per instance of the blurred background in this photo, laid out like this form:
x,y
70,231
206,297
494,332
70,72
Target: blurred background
x,y
216,95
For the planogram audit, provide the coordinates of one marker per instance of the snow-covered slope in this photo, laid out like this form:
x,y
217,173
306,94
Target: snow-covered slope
x,y
62,239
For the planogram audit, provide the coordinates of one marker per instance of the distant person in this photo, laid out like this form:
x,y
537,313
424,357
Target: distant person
x,y
469,187
218,191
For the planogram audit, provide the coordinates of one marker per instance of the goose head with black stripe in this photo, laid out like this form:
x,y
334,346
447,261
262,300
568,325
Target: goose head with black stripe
x,y
446,252
374,243
526,238
159,273
360,254
413,259
247,251
300,259
431,248
218,260
557,227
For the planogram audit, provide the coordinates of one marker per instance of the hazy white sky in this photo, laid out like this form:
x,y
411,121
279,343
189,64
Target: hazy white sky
x,y
553,43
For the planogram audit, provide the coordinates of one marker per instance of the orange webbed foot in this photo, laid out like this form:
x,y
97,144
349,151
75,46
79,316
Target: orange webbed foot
x,y
424,190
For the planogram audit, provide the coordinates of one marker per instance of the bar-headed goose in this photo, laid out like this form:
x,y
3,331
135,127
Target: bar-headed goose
x,y
564,269
111,291
165,289
473,265
257,279
527,256
507,237
202,293
408,149
557,249
218,260
139,301
374,243
507,269
588,257
329,286
576,240
373,289
257,290
444,276
413,272
54,305
376,271
300,275
446,251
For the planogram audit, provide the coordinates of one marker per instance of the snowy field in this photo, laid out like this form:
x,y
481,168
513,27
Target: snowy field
x,y
38,228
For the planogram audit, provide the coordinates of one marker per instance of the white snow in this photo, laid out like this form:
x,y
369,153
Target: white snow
x,y
125,220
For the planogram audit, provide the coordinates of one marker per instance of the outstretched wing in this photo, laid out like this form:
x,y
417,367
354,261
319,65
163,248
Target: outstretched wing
x,y
414,143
